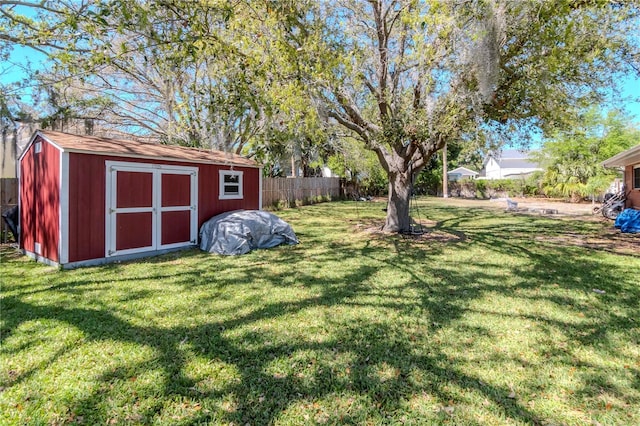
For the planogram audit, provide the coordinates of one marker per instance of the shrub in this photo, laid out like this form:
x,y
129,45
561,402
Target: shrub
x,y
467,188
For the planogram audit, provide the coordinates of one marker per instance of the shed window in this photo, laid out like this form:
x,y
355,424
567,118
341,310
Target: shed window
x,y
636,177
230,185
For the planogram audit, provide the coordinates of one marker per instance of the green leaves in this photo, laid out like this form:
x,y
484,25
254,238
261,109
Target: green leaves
x,y
404,77
573,158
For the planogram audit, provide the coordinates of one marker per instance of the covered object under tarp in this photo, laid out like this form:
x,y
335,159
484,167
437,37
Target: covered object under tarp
x,y
628,220
239,232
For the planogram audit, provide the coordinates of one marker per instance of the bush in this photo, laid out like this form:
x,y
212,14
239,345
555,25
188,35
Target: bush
x,y
467,188
428,182
374,185
481,189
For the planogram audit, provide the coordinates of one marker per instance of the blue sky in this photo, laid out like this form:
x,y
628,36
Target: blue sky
x,y
14,71
632,91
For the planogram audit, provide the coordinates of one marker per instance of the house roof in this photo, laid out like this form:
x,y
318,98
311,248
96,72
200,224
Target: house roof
x,y
129,148
516,163
462,171
625,158
513,159
513,154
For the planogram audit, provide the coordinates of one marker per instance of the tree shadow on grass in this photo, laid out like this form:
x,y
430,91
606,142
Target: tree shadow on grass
x,y
385,363
603,296
261,397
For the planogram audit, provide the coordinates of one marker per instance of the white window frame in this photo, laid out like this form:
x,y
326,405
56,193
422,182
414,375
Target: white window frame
x,y
224,196
633,176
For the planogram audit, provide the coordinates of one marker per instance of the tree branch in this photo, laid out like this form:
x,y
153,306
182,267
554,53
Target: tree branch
x,y
350,125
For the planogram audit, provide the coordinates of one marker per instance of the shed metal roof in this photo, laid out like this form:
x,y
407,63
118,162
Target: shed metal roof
x,y
129,148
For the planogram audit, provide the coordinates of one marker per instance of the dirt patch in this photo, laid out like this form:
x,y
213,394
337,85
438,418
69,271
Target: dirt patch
x,y
606,238
540,206
609,241
425,232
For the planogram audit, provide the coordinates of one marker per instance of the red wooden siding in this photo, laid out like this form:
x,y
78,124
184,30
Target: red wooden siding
x,y
28,195
40,200
49,197
176,190
134,189
86,207
176,227
209,186
87,185
633,196
134,230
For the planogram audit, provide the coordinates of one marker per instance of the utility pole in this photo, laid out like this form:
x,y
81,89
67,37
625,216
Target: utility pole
x,y
293,165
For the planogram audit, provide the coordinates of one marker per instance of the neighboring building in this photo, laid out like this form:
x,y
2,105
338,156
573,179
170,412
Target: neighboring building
x,y
461,173
15,136
630,161
90,200
509,164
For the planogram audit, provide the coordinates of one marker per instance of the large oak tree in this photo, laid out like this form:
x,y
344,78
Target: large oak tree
x,y
413,75
403,76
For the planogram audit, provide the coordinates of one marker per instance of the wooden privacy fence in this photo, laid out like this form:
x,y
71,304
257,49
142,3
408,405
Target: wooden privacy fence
x,y
8,199
287,192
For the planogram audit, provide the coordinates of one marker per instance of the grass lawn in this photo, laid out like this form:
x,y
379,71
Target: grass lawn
x,y
489,318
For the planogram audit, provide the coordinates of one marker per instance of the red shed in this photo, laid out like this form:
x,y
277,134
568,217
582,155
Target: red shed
x,y
89,200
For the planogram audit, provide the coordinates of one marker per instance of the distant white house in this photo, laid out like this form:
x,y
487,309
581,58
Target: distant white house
x,y
509,164
461,173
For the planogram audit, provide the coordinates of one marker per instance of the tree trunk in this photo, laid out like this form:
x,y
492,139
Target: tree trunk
x,y
445,177
398,219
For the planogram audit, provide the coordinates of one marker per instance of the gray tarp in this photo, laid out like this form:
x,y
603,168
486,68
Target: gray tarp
x,y
240,231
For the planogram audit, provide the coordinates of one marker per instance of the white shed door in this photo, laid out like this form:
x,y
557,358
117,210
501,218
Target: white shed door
x,y
150,207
